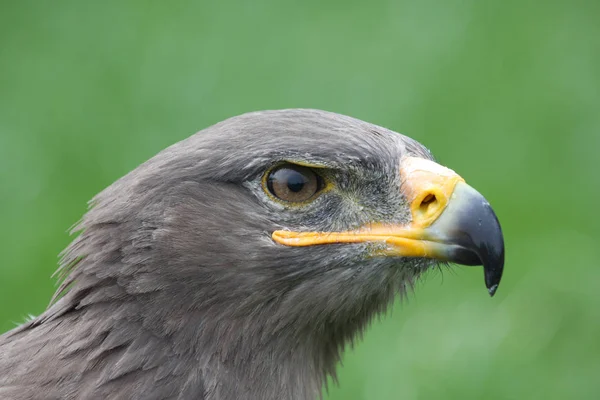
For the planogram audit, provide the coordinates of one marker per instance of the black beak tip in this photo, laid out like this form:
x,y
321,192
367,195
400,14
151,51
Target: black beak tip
x,y
490,250
492,290
493,267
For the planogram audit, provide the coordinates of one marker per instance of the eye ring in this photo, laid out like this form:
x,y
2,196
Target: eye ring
x,y
291,183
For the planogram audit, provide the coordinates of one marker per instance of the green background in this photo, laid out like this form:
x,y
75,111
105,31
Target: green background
x,y
506,93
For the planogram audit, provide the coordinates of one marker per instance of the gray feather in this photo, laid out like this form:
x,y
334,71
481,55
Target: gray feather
x,y
174,290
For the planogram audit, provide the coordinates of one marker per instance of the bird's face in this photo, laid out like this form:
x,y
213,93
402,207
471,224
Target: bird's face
x,y
431,214
304,210
303,215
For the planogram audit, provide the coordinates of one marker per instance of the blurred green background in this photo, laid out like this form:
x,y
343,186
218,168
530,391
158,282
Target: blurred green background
x,y
507,93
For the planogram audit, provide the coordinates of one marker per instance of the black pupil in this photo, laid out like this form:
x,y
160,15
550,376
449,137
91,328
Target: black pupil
x,y
295,181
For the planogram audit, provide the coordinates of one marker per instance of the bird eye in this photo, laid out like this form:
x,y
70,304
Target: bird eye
x,y
293,183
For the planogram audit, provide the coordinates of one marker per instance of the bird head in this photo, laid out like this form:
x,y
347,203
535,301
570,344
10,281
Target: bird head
x,y
302,219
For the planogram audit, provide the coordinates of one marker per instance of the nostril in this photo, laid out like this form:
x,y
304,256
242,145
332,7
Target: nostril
x,y
427,202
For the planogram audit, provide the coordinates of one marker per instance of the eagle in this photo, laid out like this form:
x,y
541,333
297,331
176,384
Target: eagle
x,y
239,262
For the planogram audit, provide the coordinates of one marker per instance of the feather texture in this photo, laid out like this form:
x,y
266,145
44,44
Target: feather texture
x,y
174,290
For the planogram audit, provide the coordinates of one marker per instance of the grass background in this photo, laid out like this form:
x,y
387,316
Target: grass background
x,y
507,93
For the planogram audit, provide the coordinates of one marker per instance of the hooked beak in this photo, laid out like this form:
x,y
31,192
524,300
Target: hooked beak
x,y
451,221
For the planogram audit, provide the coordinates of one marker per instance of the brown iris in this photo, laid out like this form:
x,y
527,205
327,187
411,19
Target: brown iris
x,y
293,183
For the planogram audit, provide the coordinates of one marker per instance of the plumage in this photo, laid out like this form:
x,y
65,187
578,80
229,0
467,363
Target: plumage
x,y
175,288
